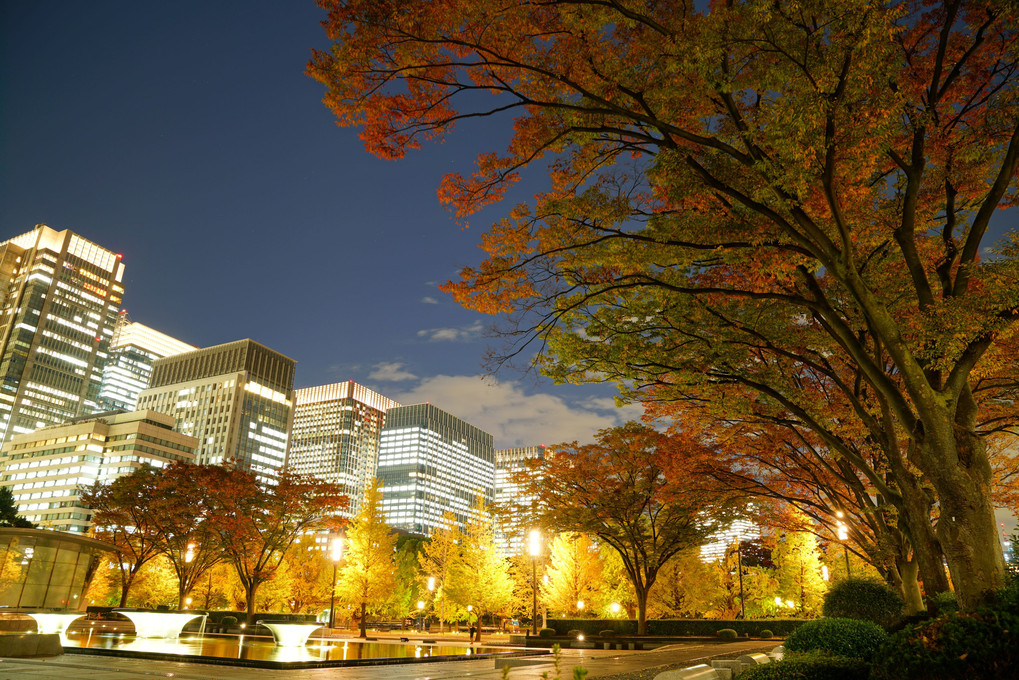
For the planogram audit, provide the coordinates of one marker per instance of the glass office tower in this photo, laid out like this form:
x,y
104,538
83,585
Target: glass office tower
x,y
59,299
336,435
127,372
431,462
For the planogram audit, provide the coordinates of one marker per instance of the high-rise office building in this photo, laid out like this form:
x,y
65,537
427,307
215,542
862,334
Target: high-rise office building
x,y
45,469
431,462
127,372
336,435
236,399
513,527
59,299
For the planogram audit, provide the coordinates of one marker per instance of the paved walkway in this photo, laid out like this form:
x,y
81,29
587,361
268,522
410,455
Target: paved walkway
x,y
600,663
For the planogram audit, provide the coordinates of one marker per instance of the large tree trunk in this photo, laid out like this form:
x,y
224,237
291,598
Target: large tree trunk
x,y
909,585
641,597
363,624
249,593
955,460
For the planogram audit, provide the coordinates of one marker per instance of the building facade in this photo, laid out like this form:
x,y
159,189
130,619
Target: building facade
x,y
128,370
44,469
431,462
236,399
512,527
59,299
336,435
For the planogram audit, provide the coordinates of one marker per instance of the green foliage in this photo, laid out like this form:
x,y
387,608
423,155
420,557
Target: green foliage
x,y
726,634
228,621
841,637
546,632
9,516
983,644
810,666
766,634
863,599
943,603
798,567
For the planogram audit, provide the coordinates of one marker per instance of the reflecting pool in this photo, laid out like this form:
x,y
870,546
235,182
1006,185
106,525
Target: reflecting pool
x,y
264,652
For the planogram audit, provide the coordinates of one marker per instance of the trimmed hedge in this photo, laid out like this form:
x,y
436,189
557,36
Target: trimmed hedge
x,y
678,627
840,637
726,634
810,666
863,599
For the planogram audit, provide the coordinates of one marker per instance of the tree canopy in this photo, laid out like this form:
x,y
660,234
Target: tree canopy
x,y
746,205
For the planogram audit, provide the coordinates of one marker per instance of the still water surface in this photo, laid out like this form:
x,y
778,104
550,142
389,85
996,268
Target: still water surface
x,y
263,649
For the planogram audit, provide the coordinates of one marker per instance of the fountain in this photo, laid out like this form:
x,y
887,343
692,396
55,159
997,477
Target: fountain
x,y
287,634
160,625
54,622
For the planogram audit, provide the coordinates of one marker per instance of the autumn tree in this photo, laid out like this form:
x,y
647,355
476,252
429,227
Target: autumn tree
x,y
688,587
479,576
617,489
181,511
752,195
123,514
436,559
257,524
798,566
366,574
574,575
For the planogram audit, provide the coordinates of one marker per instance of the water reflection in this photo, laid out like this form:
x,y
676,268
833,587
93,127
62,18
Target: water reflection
x,y
262,649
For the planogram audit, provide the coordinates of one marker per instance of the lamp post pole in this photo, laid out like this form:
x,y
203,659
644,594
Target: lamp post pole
x,y
337,553
843,536
535,550
739,565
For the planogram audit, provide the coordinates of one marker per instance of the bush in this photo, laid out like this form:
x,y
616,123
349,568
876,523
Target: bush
x,y
943,603
840,637
810,666
765,634
607,633
546,632
228,621
864,599
726,634
982,644
574,633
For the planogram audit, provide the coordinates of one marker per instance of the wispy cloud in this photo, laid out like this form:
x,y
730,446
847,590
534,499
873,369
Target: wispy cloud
x,y
391,371
461,334
512,416
428,300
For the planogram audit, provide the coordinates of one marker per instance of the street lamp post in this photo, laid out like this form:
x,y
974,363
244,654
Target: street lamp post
x,y
843,535
739,565
535,550
336,553
431,598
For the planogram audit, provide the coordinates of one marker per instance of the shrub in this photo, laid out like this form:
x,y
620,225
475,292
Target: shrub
x,y
228,621
546,632
607,633
765,634
943,603
982,644
574,633
726,634
840,637
810,666
863,599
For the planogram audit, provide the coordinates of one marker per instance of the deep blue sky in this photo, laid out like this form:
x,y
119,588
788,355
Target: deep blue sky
x,y
186,136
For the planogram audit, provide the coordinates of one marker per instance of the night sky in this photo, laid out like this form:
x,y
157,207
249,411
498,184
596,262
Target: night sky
x,y
186,136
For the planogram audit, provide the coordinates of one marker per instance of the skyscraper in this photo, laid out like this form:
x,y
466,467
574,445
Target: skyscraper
x,y
127,372
431,462
336,435
46,468
509,462
236,398
60,299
